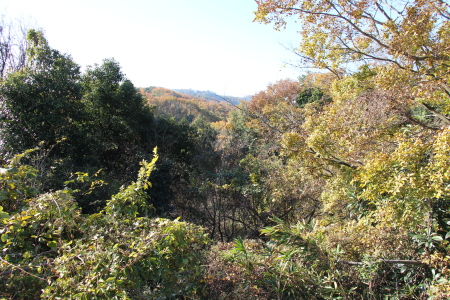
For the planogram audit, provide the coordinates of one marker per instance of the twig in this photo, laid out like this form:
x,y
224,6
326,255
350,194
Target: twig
x,y
388,261
22,269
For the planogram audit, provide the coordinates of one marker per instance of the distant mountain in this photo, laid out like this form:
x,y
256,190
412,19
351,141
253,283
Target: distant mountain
x,y
181,105
209,95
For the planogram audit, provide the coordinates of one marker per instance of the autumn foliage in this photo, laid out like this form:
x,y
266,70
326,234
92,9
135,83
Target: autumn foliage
x,y
332,186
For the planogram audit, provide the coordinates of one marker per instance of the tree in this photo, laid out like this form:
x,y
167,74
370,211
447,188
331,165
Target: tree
x,y
412,35
406,43
101,117
379,145
41,102
13,45
118,123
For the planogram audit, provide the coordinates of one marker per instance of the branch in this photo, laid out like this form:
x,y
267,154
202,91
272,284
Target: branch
x,y
356,51
339,15
387,261
21,269
383,11
312,61
418,122
442,117
332,159
444,13
252,115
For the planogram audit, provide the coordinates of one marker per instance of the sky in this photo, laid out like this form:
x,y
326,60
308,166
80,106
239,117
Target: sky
x,y
177,44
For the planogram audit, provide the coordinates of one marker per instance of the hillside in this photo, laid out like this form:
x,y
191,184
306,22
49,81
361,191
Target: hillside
x,y
186,106
211,96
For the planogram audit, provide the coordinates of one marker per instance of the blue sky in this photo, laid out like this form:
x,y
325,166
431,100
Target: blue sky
x,y
199,44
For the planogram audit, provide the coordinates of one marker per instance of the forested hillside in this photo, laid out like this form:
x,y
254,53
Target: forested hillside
x,y
211,96
332,186
183,106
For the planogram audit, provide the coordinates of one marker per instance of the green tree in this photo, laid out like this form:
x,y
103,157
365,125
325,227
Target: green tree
x,y
42,102
117,119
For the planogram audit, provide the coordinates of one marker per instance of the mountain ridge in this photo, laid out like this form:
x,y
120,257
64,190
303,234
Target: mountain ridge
x,y
210,95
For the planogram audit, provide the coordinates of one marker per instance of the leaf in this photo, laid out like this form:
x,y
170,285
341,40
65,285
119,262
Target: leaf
x,y
4,237
52,245
437,238
3,215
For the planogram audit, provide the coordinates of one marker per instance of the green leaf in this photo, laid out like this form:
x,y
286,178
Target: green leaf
x,y
3,215
437,238
4,237
52,245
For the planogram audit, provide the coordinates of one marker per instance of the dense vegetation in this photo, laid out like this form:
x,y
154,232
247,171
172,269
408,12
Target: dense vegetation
x,y
334,186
